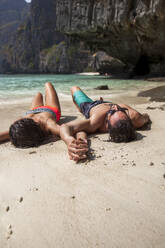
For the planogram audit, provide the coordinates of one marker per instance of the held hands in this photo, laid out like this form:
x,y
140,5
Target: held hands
x,y
77,149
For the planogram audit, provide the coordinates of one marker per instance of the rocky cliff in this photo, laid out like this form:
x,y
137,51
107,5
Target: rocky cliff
x,y
12,14
38,47
132,31
58,34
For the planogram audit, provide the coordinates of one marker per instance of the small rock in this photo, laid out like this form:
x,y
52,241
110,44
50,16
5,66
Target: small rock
x,y
102,148
151,163
33,152
164,176
98,156
73,197
133,164
108,209
102,87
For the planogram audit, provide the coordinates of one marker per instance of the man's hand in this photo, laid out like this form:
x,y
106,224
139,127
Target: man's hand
x,y
77,149
147,119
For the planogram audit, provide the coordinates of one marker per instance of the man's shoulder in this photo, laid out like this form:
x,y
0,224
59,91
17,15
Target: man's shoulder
x,y
97,118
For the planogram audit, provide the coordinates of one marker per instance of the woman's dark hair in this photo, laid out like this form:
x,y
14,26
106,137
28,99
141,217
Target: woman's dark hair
x,y
26,133
121,131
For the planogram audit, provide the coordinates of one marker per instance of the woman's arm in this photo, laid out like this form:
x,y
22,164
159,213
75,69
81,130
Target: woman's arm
x,y
53,127
4,136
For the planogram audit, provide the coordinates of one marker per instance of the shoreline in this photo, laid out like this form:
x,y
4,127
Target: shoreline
x,y
117,89
159,87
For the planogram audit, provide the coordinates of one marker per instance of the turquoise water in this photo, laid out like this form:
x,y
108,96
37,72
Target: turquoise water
x,y
22,87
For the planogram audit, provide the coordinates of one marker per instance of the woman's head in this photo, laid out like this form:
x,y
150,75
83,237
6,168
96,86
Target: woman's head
x,y
26,133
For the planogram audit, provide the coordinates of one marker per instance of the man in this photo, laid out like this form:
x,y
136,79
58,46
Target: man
x,y
119,120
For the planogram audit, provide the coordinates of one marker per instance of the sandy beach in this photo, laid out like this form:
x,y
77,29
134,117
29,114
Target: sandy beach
x,y
116,198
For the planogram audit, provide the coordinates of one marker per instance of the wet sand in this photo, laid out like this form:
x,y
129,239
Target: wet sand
x,y
155,94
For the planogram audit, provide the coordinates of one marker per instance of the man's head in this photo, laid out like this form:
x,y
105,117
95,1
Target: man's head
x,y
26,133
119,125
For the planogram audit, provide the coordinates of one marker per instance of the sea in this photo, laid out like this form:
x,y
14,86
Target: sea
x,y
21,88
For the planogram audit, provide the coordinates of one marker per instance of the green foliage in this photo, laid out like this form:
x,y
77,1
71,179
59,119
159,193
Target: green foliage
x,y
7,25
54,53
31,65
71,51
21,28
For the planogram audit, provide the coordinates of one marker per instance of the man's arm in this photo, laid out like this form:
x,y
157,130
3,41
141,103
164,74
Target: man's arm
x,y
78,148
4,136
138,120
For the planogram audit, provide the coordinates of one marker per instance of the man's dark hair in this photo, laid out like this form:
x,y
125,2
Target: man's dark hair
x,y
26,133
121,131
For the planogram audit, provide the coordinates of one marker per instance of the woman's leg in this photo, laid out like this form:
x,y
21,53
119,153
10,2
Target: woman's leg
x,y
37,101
51,97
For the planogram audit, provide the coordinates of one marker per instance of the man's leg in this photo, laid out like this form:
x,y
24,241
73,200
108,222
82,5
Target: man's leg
x,y
51,97
37,101
79,97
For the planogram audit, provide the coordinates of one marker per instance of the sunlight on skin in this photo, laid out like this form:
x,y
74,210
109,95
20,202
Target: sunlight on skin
x,y
116,116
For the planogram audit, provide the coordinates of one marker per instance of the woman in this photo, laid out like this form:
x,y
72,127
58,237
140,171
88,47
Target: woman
x,y
40,122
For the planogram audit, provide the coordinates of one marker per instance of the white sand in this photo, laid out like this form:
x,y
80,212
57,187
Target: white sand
x,y
115,200
89,73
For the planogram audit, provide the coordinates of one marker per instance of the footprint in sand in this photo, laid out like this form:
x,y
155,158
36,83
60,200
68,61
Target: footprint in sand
x,y
7,209
20,199
9,232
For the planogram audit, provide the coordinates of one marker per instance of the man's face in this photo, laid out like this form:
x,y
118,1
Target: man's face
x,y
115,114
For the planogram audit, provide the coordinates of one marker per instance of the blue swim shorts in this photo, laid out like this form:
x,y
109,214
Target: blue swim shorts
x,y
81,97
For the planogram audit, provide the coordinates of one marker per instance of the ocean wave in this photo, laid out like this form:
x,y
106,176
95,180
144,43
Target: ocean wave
x,y
22,99
7,101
